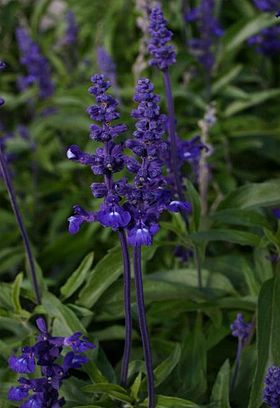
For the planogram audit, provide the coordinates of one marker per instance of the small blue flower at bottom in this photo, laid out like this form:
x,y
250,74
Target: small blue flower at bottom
x,y
46,354
241,329
271,395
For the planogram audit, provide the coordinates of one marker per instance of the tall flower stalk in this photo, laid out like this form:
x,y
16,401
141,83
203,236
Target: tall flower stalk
x,y
45,355
143,324
147,197
163,56
107,161
19,219
144,200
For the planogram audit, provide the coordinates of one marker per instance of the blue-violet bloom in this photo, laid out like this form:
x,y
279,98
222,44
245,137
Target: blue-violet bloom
x,y
46,354
271,394
38,70
163,54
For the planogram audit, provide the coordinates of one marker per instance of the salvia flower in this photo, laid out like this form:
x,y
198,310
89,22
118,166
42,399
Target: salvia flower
x,y
106,161
271,395
208,31
72,29
241,329
267,41
267,5
163,54
46,354
149,195
38,70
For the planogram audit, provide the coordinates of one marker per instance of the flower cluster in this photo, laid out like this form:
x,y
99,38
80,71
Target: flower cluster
x,y
72,30
240,328
208,31
163,55
45,354
271,395
149,196
37,66
106,161
267,41
268,5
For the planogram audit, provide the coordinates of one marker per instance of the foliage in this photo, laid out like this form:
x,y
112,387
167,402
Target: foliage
x,y
235,244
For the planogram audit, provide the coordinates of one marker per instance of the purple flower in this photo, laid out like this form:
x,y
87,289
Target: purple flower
x,y
45,354
72,360
78,343
106,160
271,395
267,5
72,30
276,213
112,215
38,70
240,328
163,55
18,393
25,363
177,206
149,195
209,30
80,216
267,41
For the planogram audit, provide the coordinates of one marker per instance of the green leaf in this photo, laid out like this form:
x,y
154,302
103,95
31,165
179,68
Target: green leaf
x,y
220,391
236,216
226,235
193,361
272,238
106,272
167,366
78,277
39,10
264,319
254,195
195,201
16,293
171,402
252,27
254,99
251,280
134,389
113,390
226,79
68,323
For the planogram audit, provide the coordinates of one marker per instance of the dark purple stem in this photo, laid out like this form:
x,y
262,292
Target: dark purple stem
x,y
172,135
127,308
143,324
19,219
